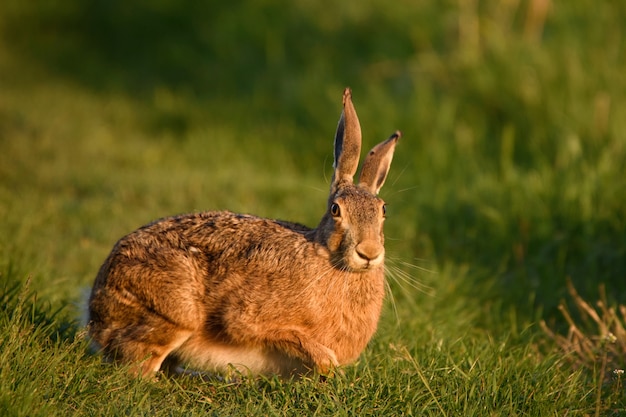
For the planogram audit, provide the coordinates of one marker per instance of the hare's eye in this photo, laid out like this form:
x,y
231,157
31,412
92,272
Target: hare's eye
x,y
334,210
384,210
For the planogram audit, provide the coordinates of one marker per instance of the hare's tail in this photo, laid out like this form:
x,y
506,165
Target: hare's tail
x,y
83,307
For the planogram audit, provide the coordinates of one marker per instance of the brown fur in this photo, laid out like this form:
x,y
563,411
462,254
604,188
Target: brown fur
x,y
219,289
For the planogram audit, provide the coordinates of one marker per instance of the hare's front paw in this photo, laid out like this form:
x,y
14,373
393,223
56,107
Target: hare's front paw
x,y
297,343
325,360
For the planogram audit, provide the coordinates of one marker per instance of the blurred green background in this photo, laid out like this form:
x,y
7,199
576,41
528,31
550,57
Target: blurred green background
x,y
509,177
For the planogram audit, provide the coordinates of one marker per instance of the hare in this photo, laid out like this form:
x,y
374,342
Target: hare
x,y
219,290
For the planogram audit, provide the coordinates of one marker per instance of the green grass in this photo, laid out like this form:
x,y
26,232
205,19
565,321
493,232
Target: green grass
x,y
509,180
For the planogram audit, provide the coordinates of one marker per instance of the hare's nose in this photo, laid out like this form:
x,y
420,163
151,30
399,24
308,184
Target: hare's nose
x,y
369,250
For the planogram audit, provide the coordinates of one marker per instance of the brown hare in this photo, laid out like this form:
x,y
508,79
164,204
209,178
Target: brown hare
x,y
221,291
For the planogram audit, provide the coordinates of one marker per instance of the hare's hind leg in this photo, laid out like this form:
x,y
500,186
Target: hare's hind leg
x,y
144,307
128,332
145,346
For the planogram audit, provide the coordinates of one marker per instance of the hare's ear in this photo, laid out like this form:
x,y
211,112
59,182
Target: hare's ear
x,y
347,143
376,165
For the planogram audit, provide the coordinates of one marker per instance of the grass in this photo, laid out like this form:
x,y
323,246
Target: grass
x,y
508,182
50,374
584,345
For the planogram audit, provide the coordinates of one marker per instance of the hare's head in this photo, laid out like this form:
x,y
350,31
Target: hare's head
x,y
352,227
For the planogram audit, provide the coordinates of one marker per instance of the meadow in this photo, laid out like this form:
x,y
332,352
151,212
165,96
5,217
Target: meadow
x,y
508,183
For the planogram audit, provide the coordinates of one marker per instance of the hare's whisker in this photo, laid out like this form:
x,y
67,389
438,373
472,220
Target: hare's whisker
x,y
392,301
402,277
398,175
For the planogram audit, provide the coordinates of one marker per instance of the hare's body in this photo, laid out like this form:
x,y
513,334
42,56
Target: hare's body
x,y
219,289
222,273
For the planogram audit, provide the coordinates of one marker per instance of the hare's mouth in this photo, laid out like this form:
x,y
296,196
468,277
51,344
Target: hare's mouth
x,y
359,263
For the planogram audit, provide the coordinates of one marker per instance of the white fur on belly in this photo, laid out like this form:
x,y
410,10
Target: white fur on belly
x,y
208,355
